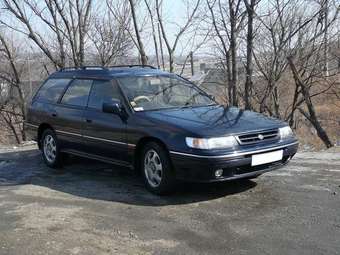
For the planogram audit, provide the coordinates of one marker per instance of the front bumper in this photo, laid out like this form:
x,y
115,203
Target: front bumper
x,y
237,165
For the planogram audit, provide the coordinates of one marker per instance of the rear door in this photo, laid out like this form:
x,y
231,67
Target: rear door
x,y
105,133
44,103
69,113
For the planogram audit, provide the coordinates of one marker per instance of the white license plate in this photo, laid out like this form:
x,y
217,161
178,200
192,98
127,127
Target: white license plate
x,y
265,158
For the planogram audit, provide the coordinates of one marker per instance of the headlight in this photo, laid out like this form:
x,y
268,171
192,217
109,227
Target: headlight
x,y
211,143
286,132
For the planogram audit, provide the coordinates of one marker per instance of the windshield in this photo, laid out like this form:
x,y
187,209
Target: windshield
x,y
161,92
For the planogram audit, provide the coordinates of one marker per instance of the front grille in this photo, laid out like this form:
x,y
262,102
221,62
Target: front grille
x,y
258,137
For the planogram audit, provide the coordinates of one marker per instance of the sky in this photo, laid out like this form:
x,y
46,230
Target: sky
x,y
174,14
174,11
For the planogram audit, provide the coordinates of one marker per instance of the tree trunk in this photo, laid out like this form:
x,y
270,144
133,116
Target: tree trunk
x,y
8,119
249,66
325,11
276,104
312,117
171,62
192,63
143,57
291,116
230,83
233,53
153,32
161,46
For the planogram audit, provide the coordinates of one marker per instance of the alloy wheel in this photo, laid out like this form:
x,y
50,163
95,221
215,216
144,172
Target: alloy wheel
x,y
50,148
153,168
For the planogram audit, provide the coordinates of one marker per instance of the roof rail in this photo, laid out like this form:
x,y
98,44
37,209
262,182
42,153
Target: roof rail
x,y
71,68
131,66
74,68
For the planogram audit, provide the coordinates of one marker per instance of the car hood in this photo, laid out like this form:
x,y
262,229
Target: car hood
x,y
211,121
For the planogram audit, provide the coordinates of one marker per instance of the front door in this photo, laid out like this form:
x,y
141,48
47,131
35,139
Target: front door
x,y
104,133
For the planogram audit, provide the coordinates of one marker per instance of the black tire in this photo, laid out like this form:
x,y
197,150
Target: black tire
x,y
56,162
168,181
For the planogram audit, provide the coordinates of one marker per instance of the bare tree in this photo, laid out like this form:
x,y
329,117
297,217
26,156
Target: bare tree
x,y
235,15
324,10
171,48
228,21
280,50
222,45
307,64
154,32
280,28
311,114
250,7
109,34
12,105
67,21
196,45
143,57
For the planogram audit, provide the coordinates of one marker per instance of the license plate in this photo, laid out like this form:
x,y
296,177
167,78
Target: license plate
x,y
265,158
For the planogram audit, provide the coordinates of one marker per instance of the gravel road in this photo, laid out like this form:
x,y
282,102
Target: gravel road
x,y
94,208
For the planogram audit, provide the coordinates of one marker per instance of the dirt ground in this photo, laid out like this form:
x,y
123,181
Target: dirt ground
x,y
94,208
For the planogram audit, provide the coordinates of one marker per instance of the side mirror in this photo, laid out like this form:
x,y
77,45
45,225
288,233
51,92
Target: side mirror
x,y
113,107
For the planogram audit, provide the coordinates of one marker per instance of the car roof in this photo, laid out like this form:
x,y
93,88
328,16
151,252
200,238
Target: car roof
x,y
94,72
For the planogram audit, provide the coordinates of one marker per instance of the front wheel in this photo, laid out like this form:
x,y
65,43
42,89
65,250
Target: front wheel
x,y
50,149
157,170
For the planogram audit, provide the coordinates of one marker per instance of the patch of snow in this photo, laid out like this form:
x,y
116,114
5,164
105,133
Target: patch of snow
x,y
28,143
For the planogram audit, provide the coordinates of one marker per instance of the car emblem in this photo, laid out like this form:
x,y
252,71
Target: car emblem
x,y
260,137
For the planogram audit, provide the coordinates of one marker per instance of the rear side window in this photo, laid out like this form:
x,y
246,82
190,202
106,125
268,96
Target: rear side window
x,y
77,93
52,89
103,91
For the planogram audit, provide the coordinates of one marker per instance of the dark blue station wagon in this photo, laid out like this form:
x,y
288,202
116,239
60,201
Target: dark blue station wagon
x,y
155,122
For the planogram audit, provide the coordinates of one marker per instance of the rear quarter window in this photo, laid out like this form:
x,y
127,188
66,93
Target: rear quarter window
x,y
52,89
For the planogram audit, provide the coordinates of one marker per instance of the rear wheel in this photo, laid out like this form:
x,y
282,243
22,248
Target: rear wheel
x,y
157,170
50,149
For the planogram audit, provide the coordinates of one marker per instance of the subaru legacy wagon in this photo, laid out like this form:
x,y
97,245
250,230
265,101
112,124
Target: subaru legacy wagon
x,y
155,122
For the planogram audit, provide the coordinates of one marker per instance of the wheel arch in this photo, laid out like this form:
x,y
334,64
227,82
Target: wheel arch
x,y
139,148
42,127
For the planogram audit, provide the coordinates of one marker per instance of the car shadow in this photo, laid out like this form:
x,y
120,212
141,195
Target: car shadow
x,y
90,179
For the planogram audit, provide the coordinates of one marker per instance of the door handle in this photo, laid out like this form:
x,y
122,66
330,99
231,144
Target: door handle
x,y
88,121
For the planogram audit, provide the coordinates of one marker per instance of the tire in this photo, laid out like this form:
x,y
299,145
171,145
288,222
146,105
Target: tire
x,y
50,149
157,170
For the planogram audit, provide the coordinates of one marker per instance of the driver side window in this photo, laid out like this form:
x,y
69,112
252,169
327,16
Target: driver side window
x,y
103,91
